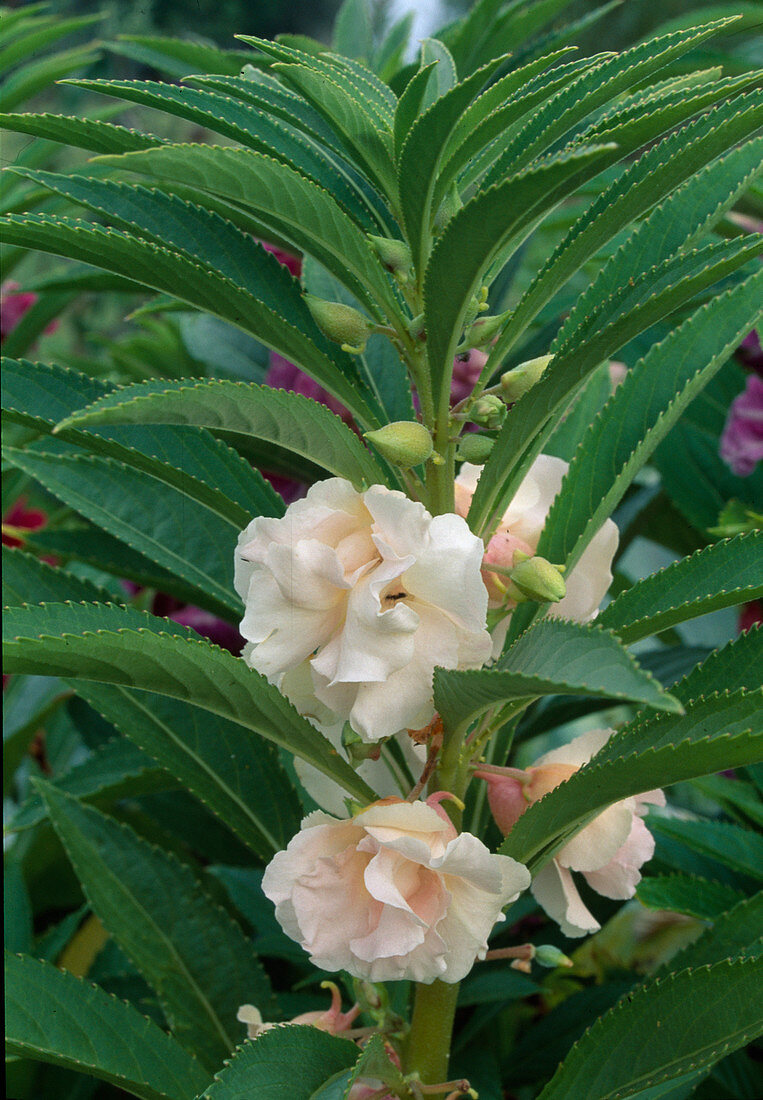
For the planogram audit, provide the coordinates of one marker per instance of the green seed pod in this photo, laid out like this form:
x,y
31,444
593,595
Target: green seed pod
x,y
450,205
551,957
340,323
394,254
515,383
404,443
485,329
488,411
538,579
474,448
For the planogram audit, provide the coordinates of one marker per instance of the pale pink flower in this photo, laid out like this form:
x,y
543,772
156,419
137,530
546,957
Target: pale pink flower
x,y
521,527
392,893
331,1019
366,592
609,852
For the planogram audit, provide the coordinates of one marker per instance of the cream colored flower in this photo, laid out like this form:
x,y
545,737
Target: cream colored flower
x,y
392,893
608,853
368,593
521,527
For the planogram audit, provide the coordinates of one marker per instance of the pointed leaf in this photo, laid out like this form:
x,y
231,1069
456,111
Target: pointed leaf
x,y
93,643
187,948
702,1014
83,133
555,656
734,933
27,579
722,575
689,894
54,1017
239,409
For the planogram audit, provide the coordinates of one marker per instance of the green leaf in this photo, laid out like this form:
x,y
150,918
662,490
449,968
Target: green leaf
x,y
93,643
38,74
735,666
739,849
409,106
27,579
254,129
667,379
54,1017
724,574
266,1067
443,76
158,520
179,56
374,1064
689,213
237,776
83,133
689,894
239,409
641,412
199,286
473,239
719,732
740,800
555,656
299,210
353,33
187,948
113,770
420,158
734,933
701,1015
592,90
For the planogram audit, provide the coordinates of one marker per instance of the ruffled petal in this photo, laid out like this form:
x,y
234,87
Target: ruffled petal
x,y
554,890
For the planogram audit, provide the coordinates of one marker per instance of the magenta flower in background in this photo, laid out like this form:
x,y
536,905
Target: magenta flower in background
x,y
742,440
750,354
14,303
20,518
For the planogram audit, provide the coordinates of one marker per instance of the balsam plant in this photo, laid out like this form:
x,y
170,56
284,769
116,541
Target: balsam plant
x,y
413,194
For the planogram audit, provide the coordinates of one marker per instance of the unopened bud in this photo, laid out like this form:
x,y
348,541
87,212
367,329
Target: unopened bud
x,y
551,957
450,205
356,748
485,329
341,323
404,443
394,254
538,579
488,411
417,327
474,448
515,383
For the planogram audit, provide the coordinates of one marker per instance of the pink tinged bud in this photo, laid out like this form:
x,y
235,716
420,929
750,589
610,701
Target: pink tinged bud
x,y
506,798
466,371
501,551
546,778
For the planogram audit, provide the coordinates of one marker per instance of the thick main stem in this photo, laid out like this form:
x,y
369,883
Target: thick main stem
x,y
428,1048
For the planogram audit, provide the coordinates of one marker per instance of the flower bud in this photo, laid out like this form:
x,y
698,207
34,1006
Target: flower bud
x,y
515,383
341,323
485,329
489,411
394,254
450,205
404,443
551,957
474,448
538,579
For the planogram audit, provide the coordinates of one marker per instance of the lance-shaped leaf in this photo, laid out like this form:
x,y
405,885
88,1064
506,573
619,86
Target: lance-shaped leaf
x,y
701,1014
593,89
299,210
267,1065
554,657
161,522
420,158
737,849
734,932
116,769
722,575
472,240
237,776
178,56
735,666
123,646
27,579
236,410
192,282
716,733
51,1016
689,894
683,163
640,414
687,358
253,129
190,951
82,133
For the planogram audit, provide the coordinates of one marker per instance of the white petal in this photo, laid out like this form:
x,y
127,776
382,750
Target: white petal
x,y
589,581
578,751
596,844
555,891
619,878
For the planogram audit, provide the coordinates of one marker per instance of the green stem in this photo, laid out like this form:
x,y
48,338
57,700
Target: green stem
x,y
428,1048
